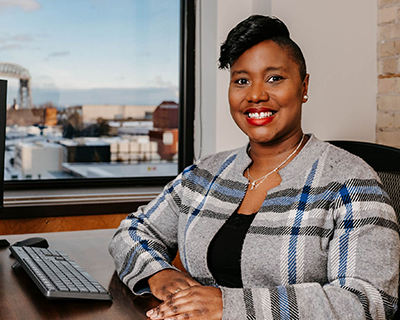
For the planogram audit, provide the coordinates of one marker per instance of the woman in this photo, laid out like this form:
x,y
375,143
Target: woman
x,y
288,227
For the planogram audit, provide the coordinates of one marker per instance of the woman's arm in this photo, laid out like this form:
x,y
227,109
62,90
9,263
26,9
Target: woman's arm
x,y
146,242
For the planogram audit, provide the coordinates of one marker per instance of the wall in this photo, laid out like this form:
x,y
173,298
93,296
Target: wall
x,y
339,42
341,58
388,120
215,129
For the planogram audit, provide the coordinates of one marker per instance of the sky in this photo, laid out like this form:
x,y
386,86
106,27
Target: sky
x,y
128,50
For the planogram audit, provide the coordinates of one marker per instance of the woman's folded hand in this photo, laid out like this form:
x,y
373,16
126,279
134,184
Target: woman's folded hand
x,y
167,282
195,303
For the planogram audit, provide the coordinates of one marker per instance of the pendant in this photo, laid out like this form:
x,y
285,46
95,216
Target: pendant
x,y
253,186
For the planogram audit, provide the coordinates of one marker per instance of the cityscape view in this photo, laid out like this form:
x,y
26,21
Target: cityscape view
x,y
92,88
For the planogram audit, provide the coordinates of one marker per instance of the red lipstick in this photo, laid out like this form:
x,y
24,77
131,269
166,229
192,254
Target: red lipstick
x,y
259,116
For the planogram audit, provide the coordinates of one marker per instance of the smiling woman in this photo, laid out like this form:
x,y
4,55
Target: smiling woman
x,y
286,227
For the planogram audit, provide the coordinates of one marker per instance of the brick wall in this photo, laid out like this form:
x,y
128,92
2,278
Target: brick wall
x,y
388,99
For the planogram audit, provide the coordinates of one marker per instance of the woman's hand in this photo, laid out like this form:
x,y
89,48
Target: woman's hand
x,y
167,282
194,303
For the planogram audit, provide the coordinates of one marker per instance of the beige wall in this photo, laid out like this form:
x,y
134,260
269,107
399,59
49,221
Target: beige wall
x,y
339,42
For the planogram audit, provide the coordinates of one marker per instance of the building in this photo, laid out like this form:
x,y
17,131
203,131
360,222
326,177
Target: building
x,y
133,149
165,132
127,149
37,160
166,115
84,150
121,170
90,113
34,116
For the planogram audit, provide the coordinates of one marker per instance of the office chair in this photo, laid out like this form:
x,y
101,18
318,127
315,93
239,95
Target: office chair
x,y
386,162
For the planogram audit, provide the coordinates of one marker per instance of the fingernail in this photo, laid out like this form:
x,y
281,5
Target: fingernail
x,y
149,312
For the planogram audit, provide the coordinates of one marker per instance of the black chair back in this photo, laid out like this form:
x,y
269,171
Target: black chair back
x,y
384,160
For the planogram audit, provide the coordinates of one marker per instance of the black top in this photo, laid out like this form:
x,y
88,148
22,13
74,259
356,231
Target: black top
x,y
224,253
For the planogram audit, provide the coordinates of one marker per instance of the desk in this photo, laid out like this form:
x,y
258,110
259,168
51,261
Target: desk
x,y
21,299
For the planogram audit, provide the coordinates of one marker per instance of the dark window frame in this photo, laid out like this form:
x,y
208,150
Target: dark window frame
x,y
185,148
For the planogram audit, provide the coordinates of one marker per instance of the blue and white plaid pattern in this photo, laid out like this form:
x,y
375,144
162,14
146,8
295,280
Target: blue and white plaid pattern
x,y
324,244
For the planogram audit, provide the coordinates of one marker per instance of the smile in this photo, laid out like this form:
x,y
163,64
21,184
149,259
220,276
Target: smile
x,y
259,115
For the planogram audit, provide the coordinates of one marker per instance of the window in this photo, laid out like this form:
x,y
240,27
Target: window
x,y
100,102
100,91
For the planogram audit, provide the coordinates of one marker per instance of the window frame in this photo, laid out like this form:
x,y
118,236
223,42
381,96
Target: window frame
x,y
132,184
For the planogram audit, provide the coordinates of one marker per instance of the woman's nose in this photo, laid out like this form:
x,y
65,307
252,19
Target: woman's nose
x,y
256,93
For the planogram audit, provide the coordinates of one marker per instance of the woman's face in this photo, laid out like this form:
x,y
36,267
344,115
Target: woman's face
x,y
266,93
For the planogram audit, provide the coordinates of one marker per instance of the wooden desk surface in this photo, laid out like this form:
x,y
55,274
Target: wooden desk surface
x,y
21,299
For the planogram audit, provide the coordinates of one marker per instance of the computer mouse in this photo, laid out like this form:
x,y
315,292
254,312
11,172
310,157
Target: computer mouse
x,y
33,242
4,243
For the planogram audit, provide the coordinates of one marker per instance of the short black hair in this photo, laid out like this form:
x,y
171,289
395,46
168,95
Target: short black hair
x,y
256,29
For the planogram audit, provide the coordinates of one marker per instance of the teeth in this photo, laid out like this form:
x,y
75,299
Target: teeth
x,y
261,115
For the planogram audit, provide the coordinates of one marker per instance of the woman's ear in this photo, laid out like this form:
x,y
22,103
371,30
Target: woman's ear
x,y
305,88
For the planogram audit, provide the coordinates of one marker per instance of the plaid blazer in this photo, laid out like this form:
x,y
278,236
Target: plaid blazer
x,y
324,244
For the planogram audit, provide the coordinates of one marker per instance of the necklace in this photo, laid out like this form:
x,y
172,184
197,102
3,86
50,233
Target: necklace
x,y
256,182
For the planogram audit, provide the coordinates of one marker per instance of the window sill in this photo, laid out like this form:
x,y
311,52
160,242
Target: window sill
x,y
70,202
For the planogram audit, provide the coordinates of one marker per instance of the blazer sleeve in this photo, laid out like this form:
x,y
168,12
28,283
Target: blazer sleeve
x,y
363,271
146,240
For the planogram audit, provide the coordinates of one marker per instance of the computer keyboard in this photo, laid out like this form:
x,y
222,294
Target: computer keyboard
x,y
57,275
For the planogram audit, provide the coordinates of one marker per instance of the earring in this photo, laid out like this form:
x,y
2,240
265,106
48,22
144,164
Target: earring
x,y
305,97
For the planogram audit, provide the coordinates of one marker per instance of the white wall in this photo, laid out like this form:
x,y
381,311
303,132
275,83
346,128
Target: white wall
x,y
338,39
339,44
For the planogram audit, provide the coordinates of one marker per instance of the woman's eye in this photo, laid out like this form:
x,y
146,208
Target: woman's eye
x,y
242,81
274,79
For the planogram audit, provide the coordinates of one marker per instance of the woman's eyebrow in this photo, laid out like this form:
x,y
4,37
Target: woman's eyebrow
x,y
239,72
268,69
